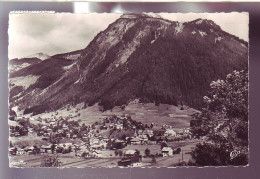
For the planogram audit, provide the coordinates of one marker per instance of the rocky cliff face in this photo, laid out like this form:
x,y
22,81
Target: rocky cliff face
x,y
139,56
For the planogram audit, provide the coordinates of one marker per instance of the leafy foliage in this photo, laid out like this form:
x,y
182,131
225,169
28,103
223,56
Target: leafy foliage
x,y
224,122
147,152
51,161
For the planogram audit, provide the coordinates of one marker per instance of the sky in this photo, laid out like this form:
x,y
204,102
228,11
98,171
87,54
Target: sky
x,y
54,33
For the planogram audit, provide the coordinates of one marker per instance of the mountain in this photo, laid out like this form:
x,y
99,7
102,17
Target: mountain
x,y
137,56
18,64
41,56
74,55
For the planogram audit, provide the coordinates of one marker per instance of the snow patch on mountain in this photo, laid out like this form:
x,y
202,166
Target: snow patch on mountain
x,y
199,21
77,81
68,67
16,96
127,54
193,32
243,45
130,48
179,27
41,56
111,38
152,41
72,57
217,39
202,33
129,25
13,68
24,81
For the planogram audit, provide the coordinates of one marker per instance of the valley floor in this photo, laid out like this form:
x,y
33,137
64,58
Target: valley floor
x,y
69,160
88,137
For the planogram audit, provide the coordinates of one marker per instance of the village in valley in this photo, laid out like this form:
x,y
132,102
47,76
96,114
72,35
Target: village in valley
x,y
145,90
118,138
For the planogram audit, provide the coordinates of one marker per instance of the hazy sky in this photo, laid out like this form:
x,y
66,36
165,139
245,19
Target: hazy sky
x,y
51,33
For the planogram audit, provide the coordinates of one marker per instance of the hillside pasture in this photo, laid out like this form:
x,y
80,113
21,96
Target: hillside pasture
x,y
147,113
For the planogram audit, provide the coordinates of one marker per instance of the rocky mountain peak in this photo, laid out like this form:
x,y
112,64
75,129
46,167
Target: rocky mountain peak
x,y
141,57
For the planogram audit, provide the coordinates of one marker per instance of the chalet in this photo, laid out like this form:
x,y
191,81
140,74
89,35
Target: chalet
x,y
167,151
130,158
144,139
119,126
186,131
20,151
124,162
151,142
170,133
46,134
97,153
97,147
30,133
103,127
75,146
85,138
60,131
13,151
139,132
148,132
122,117
16,134
28,149
46,148
130,153
94,141
171,115
65,127
40,133
135,141
85,151
67,145
137,164
111,126
39,119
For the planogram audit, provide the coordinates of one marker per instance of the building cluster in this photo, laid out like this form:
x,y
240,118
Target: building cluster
x,y
99,140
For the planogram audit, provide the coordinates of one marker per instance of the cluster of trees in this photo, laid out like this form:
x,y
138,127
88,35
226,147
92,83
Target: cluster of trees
x,y
51,161
22,129
224,123
64,150
127,123
119,153
113,144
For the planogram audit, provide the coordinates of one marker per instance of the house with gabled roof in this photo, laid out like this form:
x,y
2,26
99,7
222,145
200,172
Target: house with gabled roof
x,y
167,151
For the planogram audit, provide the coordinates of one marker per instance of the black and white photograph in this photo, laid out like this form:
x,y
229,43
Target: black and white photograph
x,y
128,89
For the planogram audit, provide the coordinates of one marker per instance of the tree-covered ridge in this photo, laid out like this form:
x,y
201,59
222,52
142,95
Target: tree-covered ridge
x,y
141,58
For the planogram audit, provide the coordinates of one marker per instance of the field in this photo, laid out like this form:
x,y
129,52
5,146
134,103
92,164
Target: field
x,y
29,140
148,113
66,160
